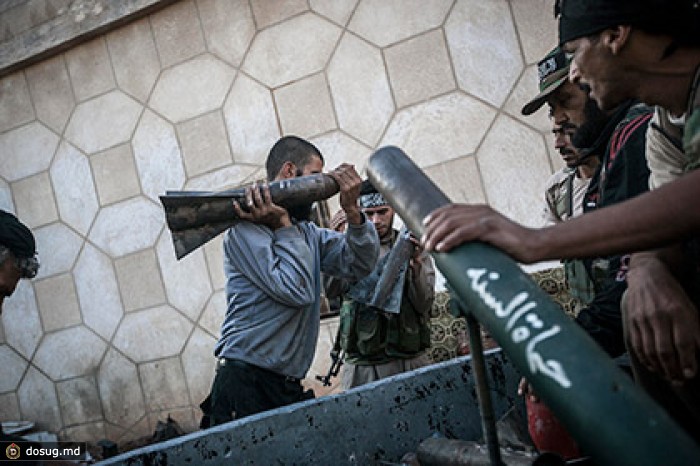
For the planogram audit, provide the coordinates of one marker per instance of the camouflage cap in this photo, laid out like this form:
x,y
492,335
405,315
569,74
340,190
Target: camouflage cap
x,y
552,71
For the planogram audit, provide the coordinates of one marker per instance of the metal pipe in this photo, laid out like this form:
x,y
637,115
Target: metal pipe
x,y
488,419
611,418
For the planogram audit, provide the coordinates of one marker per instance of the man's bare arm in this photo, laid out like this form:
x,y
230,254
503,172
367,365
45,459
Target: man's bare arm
x,y
653,219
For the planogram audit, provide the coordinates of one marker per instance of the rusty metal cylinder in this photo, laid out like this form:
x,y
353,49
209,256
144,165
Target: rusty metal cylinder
x,y
195,217
191,209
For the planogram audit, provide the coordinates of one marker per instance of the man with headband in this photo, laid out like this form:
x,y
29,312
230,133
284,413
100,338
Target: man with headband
x,y
378,345
573,114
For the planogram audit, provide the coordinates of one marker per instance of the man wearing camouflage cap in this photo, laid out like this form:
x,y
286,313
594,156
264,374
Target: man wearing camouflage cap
x,y
617,137
565,189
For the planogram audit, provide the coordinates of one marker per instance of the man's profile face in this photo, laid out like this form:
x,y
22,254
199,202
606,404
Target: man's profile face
x,y
595,66
566,105
382,217
562,142
9,277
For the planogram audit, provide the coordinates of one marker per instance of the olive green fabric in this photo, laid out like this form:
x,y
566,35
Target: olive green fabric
x,y
370,336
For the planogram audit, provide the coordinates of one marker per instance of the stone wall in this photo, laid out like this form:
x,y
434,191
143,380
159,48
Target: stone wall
x,y
114,333
33,30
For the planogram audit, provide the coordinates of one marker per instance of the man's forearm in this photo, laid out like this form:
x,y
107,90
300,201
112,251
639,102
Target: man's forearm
x,y
354,216
650,220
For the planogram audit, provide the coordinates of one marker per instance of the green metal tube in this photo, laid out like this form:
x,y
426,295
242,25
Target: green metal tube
x,y
611,418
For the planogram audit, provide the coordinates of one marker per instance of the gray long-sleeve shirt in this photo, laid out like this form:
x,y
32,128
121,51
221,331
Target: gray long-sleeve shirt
x,y
274,286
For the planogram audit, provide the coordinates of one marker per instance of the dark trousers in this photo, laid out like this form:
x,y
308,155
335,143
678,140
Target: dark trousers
x,y
241,389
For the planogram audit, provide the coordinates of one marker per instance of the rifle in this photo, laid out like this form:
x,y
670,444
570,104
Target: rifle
x,y
337,356
195,217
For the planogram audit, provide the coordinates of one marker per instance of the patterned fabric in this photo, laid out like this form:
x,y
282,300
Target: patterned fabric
x,y
553,283
372,200
445,329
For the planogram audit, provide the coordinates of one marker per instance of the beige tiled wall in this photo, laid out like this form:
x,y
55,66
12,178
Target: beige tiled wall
x,y
115,333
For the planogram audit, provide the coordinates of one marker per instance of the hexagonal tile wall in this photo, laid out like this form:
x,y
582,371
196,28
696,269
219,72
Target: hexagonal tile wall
x,y
193,97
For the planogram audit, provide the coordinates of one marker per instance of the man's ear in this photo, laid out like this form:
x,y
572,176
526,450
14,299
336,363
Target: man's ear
x,y
616,38
288,170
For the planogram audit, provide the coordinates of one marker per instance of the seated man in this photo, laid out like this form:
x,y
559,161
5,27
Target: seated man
x,y
377,344
273,262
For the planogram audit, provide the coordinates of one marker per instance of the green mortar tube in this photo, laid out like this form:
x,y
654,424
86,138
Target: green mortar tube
x,y
611,418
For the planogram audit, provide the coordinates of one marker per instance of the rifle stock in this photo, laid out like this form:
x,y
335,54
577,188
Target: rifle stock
x,y
196,217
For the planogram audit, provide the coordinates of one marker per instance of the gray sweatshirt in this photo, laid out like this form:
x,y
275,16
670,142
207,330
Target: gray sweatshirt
x,y
274,285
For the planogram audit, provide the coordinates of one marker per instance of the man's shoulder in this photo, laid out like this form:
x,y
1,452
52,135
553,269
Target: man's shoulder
x,y
558,177
248,228
631,129
636,110
691,131
691,140
315,233
635,120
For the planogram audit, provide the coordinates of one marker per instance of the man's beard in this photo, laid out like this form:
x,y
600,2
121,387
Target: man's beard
x,y
592,127
300,213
